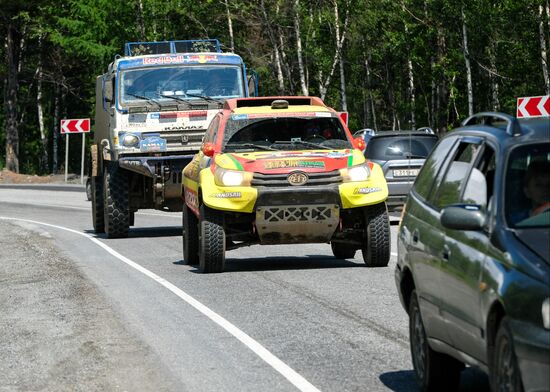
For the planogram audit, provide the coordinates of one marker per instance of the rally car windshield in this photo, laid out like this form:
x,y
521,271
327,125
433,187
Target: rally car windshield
x,y
177,83
284,133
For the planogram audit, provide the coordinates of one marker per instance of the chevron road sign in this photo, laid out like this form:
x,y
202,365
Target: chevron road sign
x,y
79,125
533,107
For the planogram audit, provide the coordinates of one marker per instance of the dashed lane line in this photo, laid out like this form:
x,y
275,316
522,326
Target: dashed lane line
x,y
286,371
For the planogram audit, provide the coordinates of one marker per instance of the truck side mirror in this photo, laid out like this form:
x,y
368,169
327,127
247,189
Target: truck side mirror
x,y
253,84
108,90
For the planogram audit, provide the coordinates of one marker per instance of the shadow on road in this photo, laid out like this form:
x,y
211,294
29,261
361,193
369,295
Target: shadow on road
x,y
145,232
283,263
471,380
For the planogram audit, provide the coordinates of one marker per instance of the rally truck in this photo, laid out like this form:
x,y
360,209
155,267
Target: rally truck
x,y
282,170
153,106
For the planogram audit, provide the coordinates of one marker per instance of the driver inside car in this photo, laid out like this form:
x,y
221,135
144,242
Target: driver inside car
x,y
537,187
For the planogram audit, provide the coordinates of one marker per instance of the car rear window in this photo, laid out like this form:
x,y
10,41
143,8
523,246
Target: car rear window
x,y
400,147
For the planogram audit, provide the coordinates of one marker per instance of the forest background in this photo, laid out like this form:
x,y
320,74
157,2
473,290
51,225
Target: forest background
x,y
392,64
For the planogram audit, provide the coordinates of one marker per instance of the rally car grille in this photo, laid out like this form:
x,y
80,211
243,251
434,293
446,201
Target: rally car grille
x,y
296,213
275,180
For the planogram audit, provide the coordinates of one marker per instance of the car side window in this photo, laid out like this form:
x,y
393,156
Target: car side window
x,y
425,179
449,191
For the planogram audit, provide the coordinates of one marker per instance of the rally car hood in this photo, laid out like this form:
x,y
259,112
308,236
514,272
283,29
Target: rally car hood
x,y
274,162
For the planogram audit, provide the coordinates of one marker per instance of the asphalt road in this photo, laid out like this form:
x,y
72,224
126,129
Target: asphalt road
x,y
281,318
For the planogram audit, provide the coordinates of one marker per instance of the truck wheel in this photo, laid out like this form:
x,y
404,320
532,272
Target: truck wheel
x,y
212,241
97,205
434,371
376,240
117,209
190,236
505,375
342,251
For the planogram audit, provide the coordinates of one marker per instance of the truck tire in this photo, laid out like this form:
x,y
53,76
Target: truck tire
x,y
190,233
342,251
212,241
376,240
117,209
98,214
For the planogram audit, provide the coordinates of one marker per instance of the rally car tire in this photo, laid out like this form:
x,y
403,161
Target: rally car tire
x,y
98,214
212,241
342,251
376,240
190,232
117,205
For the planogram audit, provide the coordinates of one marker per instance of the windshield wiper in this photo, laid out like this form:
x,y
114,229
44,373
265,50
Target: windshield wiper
x,y
249,145
303,143
145,98
174,97
205,97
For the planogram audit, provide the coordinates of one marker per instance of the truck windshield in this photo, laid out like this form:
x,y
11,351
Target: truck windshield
x,y
180,82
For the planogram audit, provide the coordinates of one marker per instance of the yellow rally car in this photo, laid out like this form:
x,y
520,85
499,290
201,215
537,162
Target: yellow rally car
x,y
282,170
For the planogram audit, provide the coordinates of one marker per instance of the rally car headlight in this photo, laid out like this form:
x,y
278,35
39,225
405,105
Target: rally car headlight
x,y
225,177
355,173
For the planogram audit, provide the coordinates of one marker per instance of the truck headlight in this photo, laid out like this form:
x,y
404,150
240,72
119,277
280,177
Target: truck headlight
x,y
225,177
130,140
355,173
546,313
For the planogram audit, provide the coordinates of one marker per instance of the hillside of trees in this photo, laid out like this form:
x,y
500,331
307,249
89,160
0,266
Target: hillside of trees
x,y
393,64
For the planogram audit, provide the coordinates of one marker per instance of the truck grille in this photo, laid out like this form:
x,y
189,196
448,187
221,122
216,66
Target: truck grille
x,y
274,180
179,140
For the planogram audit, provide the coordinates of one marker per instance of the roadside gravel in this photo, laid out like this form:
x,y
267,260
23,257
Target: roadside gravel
x,y
57,332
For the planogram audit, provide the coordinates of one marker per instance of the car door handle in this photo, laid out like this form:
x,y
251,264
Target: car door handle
x,y
415,236
446,253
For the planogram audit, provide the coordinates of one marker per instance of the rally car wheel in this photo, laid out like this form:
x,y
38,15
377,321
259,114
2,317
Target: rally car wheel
x,y
212,241
190,236
376,240
342,251
98,218
434,371
116,202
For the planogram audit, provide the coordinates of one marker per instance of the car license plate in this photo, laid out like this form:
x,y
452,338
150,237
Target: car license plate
x,y
405,172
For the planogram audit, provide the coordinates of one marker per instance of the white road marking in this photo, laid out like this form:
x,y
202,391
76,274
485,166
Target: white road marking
x,y
286,371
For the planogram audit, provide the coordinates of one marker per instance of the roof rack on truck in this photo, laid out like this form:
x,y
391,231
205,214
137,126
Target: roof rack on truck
x,y
166,47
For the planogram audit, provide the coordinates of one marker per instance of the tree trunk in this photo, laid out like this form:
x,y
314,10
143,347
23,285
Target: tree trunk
x,y
140,20
230,27
299,47
40,111
13,41
412,95
468,66
371,99
544,58
276,54
343,97
56,124
495,104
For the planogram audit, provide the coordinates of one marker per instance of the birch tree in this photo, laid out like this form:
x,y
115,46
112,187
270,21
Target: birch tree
x,y
544,58
469,84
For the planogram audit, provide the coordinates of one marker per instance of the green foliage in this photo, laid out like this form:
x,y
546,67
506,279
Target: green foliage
x,y
75,40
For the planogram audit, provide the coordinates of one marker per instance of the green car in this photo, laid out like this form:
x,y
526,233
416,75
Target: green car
x,y
473,268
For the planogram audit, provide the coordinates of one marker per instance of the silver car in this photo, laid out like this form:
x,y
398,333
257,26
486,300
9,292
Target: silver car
x,y
401,155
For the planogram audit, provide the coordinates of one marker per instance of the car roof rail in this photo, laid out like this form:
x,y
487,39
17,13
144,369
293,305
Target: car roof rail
x,y
512,128
426,130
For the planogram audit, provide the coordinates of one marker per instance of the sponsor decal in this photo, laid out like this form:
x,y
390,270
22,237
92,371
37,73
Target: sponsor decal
x,y
137,118
226,195
282,114
323,114
191,198
182,128
337,155
164,60
152,144
201,58
190,115
281,164
154,116
237,117
366,191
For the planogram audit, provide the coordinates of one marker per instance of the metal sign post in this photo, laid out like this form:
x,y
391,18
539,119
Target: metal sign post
x,y
68,126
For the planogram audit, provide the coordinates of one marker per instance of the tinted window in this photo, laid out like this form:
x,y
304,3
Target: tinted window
x,y
457,173
399,147
527,195
427,174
